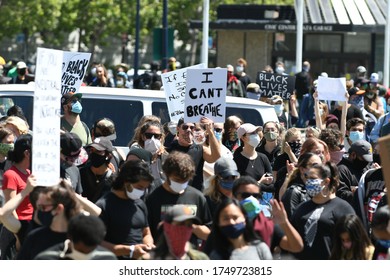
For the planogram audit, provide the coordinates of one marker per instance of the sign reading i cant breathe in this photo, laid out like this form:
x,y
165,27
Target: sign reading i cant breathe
x,y
205,94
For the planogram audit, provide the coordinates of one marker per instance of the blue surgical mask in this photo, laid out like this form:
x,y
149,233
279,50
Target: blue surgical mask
x,y
227,185
218,135
76,107
384,243
233,231
355,136
278,109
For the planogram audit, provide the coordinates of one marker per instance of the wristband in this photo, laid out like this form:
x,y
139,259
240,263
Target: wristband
x,y
132,248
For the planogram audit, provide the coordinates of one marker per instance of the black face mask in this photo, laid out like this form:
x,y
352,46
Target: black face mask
x,y
376,158
97,160
359,164
295,147
22,71
45,217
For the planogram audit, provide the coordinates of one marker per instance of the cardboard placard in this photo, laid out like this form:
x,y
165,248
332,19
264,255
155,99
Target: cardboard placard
x,y
174,83
205,95
275,84
46,117
74,67
331,88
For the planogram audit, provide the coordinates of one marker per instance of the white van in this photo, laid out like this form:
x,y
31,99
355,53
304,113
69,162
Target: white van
x,y
126,106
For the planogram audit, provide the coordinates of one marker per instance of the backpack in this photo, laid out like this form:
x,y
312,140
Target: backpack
x,y
369,196
144,81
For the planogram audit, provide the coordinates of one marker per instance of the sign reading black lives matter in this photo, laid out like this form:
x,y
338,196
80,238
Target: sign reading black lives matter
x,y
205,95
275,84
74,66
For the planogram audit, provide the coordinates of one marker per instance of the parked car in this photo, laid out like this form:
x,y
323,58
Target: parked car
x,y
126,107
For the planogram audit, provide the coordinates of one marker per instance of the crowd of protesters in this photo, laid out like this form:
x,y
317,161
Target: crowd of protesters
x,y
308,186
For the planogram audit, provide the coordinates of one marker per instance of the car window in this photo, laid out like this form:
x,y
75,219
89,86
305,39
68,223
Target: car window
x,y
124,113
160,110
24,102
247,115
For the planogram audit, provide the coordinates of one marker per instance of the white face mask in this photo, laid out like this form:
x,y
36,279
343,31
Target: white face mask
x,y
152,145
321,111
178,187
254,140
135,194
278,108
279,70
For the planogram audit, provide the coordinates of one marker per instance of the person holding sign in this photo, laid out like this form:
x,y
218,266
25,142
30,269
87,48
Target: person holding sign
x,y
198,152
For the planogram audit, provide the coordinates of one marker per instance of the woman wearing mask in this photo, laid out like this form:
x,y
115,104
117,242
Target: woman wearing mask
x,y
174,243
128,234
291,149
101,79
151,138
234,237
351,241
295,192
221,184
315,219
55,205
230,138
250,162
270,143
284,117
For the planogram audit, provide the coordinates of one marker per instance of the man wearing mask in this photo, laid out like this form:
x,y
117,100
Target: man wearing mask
x,y
70,121
284,117
21,77
198,152
355,129
70,145
96,174
179,169
359,160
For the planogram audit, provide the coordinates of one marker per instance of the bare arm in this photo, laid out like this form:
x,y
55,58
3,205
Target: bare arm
x,y
213,151
317,110
293,106
89,206
291,241
343,121
201,231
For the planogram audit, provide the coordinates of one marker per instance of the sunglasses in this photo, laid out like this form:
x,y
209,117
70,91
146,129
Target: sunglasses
x,y
218,129
185,127
248,194
150,135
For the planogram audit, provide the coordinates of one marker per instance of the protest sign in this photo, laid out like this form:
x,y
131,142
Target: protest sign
x,y
275,84
205,95
174,83
74,67
46,117
331,88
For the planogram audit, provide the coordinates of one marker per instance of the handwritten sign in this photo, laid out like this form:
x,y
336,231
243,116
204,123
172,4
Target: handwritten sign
x,y
74,66
275,84
46,117
205,94
174,83
331,88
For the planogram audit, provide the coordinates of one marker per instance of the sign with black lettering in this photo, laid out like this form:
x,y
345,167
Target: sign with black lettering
x,y
205,95
74,67
174,83
46,117
275,84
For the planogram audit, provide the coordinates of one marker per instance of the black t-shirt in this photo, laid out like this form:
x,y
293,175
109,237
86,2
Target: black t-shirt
x,y
294,196
94,187
160,200
280,161
125,219
196,153
72,173
316,223
39,240
271,156
254,168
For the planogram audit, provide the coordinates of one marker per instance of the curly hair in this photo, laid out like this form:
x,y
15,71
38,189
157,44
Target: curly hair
x,y
331,137
179,164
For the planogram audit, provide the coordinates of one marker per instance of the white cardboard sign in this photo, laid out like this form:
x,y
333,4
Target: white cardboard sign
x,y
74,67
331,88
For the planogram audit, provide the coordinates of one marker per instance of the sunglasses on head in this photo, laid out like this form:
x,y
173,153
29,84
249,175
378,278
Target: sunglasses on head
x,y
248,194
218,129
150,135
185,127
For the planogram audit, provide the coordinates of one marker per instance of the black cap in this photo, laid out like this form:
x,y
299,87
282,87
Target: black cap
x,y
102,144
70,144
142,154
